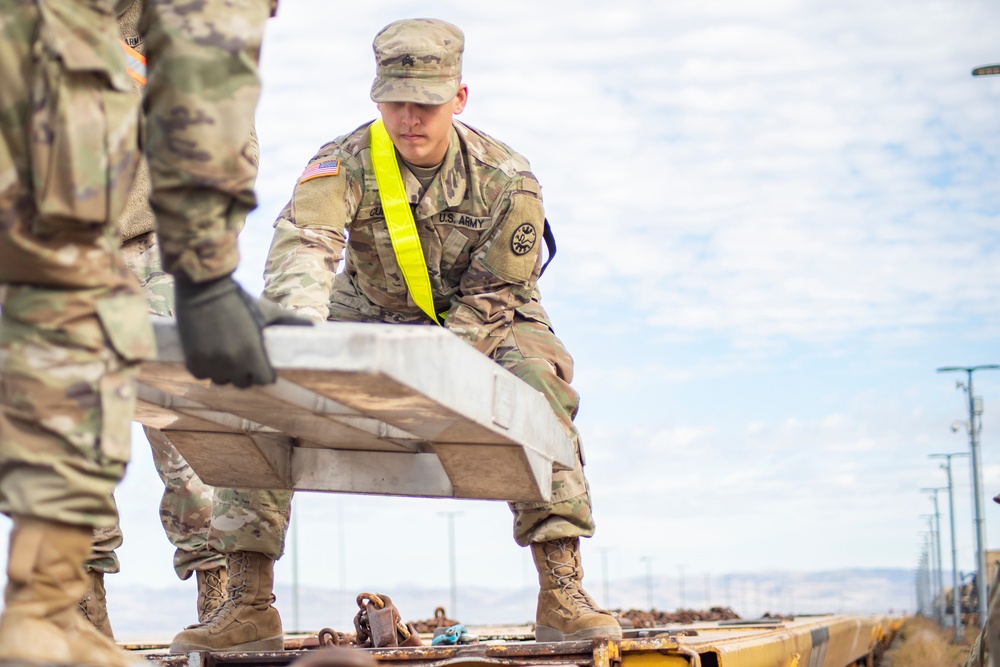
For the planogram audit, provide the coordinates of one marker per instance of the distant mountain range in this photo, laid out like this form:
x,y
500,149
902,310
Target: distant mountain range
x,y
154,614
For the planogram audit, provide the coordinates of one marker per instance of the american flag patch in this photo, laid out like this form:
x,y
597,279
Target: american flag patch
x,y
319,169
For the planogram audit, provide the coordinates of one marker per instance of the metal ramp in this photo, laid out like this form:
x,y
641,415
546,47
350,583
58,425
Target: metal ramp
x,y
361,408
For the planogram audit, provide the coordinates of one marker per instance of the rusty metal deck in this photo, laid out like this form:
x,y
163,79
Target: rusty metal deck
x,y
361,408
823,641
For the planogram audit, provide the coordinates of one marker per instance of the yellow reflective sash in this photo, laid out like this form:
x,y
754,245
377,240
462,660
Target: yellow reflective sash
x,y
399,219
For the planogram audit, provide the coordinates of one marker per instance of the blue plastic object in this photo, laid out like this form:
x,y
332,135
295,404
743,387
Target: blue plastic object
x,y
450,636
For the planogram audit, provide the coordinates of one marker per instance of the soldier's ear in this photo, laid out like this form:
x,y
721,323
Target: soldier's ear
x,y
461,98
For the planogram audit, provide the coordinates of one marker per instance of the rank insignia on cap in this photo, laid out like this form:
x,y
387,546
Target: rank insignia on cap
x,y
320,169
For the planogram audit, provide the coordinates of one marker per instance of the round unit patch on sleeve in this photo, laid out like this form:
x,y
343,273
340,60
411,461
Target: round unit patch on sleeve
x,y
523,240
515,252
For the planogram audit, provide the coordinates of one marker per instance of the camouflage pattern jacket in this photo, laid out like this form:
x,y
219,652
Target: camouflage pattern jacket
x,y
480,224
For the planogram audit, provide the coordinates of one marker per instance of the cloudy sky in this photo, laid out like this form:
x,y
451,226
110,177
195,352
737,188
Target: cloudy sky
x,y
775,220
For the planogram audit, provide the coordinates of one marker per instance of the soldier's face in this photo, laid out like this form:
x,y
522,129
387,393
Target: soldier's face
x,y
421,132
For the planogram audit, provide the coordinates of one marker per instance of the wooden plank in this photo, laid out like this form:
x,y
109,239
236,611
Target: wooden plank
x,y
362,408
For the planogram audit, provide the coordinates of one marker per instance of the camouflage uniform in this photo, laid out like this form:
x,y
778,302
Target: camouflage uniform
x,y
480,224
72,305
186,506
250,520
73,325
199,103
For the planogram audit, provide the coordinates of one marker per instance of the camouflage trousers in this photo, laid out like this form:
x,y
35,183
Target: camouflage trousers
x,y
73,327
186,506
185,512
531,351
201,521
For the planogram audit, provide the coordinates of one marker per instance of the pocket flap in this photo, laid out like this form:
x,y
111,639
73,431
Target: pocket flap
x,y
83,38
126,322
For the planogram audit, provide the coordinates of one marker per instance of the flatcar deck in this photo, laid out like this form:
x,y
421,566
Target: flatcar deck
x,y
816,641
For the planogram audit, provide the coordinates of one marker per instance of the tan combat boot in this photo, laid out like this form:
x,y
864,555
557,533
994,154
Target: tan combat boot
x,y
211,591
565,611
41,620
94,604
246,620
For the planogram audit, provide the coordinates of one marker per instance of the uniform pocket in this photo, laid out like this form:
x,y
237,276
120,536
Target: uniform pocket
x,y
392,274
118,397
126,324
84,119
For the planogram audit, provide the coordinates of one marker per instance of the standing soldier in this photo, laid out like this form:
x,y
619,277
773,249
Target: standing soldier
x,y
74,325
186,507
477,232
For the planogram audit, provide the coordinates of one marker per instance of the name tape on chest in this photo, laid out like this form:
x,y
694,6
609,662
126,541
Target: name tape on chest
x,y
463,220
444,218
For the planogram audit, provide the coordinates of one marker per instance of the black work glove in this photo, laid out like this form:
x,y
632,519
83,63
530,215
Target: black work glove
x,y
220,327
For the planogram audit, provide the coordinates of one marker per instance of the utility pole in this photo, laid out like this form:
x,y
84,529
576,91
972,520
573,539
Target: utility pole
x,y
295,568
939,604
680,585
922,581
649,580
451,561
604,576
932,580
976,410
956,609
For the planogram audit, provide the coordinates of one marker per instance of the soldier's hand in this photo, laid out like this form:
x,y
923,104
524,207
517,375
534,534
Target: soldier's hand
x,y
221,326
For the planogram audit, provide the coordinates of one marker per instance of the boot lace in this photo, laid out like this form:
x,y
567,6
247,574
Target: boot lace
x,y
237,566
560,561
213,593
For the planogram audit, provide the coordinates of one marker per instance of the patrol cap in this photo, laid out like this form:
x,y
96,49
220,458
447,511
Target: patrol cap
x,y
417,60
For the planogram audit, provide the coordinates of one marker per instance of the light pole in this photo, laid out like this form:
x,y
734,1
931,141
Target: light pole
x,y
922,580
604,574
451,561
295,567
939,606
976,409
649,580
930,550
680,585
956,610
